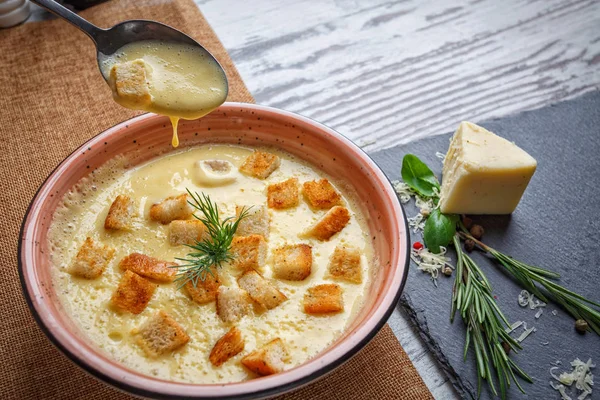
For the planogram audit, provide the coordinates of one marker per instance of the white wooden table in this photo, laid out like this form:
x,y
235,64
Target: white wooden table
x,y
385,72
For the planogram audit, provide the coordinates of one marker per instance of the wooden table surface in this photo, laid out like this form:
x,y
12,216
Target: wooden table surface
x,y
386,72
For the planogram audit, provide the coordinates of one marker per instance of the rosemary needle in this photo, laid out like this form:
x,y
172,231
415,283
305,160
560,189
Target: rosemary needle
x,y
213,250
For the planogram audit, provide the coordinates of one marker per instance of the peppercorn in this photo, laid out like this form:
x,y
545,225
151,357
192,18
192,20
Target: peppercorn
x,y
581,326
447,271
417,245
506,347
469,245
467,222
476,231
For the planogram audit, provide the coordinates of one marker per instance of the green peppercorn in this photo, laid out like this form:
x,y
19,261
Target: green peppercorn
x,y
581,326
476,231
469,245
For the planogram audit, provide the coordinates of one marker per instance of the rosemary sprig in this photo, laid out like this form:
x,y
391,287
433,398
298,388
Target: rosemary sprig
x,y
212,251
528,275
486,325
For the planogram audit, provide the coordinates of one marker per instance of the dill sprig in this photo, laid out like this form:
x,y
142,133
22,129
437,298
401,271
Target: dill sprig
x,y
214,249
528,275
486,325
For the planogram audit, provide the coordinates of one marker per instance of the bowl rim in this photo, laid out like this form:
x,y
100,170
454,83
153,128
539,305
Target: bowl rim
x,y
388,302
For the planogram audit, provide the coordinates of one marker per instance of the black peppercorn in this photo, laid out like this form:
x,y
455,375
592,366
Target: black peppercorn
x,y
476,231
467,222
469,245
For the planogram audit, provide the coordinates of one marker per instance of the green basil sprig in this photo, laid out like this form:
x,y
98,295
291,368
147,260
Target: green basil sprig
x,y
417,175
439,230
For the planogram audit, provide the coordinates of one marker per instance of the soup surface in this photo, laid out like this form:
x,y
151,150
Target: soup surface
x,y
88,301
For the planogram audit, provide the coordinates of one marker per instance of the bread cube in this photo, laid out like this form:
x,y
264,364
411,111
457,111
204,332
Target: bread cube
x,y
232,303
256,221
149,267
120,214
227,346
205,290
267,360
249,252
161,334
331,223
186,232
321,194
129,83
171,208
283,195
133,293
91,260
345,264
292,262
323,299
261,290
260,164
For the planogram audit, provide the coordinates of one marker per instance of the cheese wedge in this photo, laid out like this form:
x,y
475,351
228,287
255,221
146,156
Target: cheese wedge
x,y
483,173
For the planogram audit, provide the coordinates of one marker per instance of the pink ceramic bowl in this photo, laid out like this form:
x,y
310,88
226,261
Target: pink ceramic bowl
x,y
148,136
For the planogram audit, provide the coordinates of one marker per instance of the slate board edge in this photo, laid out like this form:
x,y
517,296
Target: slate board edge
x,y
417,318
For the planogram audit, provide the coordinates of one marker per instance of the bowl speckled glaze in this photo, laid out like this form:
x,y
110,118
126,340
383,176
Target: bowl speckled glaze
x,y
148,136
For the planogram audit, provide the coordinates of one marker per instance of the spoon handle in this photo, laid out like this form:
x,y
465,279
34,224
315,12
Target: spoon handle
x,y
90,29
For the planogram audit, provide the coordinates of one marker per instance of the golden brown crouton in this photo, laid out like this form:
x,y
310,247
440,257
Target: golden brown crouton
x,y
205,290
171,208
331,223
256,221
161,334
260,164
186,232
345,264
322,299
249,252
120,214
267,360
91,260
228,346
261,290
232,303
321,194
129,83
292,262
283,195
133,293
149,267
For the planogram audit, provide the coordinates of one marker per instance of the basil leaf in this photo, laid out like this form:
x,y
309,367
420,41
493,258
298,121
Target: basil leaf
x,y
417,175
439,230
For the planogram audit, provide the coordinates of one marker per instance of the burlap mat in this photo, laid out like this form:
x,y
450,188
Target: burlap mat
x,y
52,99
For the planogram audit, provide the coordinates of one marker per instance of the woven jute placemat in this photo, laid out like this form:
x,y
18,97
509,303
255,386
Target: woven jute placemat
x,y
52,99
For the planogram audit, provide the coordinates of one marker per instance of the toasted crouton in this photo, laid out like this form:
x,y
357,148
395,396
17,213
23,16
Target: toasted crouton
x,y
149,267
256,221
331,223
133,293
283,195
249,252
267,360
322,299
345,264
161,334
292,262
261,290
227,346
91,260
321,194
129,83
171,208
120,214
260,164
205,290
186,232
232,303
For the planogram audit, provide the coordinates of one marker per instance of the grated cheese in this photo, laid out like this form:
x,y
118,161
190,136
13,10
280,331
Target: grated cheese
x,y
554,312
581,375
417,222
429,262
425,205
403,190
528,299
526,333
440,155
514,326
539,313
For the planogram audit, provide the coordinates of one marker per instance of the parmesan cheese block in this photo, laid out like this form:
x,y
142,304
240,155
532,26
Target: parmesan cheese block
x,y
483,173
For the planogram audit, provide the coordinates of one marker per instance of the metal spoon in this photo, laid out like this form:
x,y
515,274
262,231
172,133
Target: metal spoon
x,y
108,41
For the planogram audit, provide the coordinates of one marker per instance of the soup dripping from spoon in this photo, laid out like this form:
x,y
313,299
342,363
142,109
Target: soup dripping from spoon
x,y
152,67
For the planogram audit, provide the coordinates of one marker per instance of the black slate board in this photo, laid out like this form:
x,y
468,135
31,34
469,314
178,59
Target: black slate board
x,y
555,226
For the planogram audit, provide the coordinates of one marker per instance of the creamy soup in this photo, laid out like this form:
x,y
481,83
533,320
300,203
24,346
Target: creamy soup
x,y
172,79
116,332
